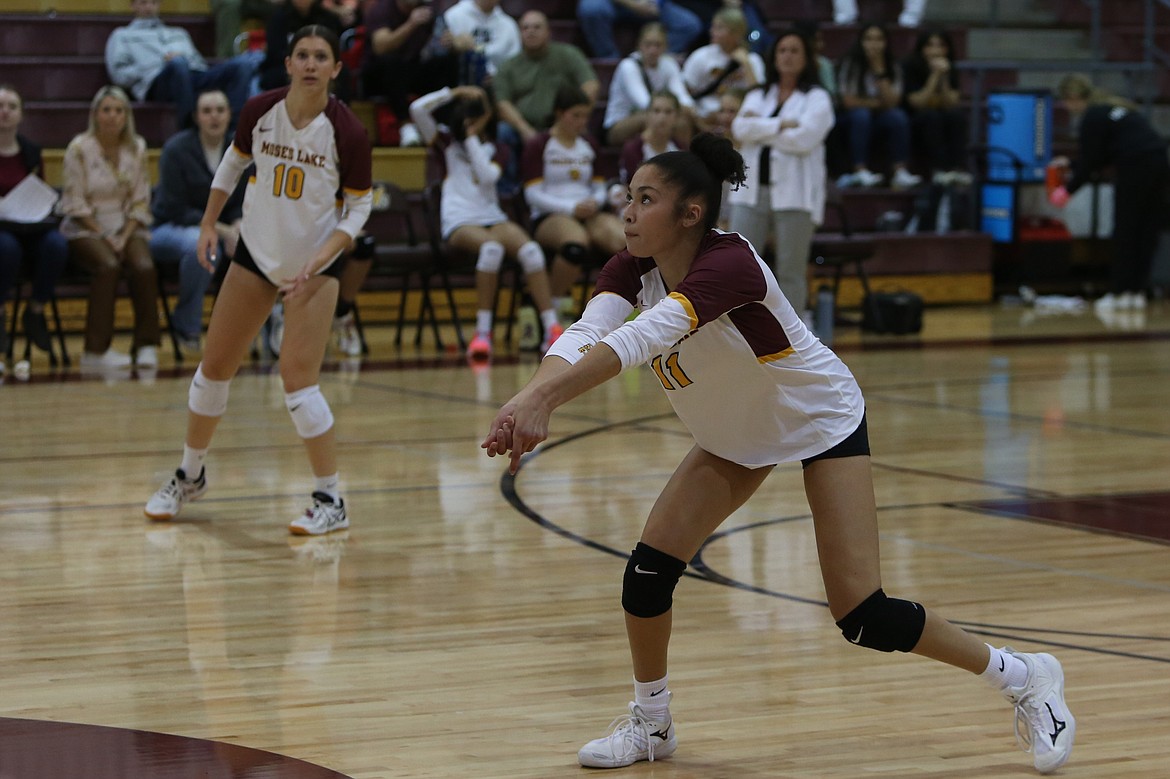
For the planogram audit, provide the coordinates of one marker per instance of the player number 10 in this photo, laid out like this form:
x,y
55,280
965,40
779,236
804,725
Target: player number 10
x,y
290,182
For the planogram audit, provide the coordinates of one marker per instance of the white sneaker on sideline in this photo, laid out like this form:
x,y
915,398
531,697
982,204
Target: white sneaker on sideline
x,y
174,494
349,342
276,329
904,179
632,737
1132,300
1107,302
1044,725
323,516
146,357
106,360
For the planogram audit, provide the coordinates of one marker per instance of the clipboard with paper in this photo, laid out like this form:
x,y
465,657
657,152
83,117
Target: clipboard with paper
x,y
29,202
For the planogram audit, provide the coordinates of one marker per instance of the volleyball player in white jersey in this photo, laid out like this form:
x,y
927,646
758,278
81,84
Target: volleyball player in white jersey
x,y
471,219
755,388
566,195
305,203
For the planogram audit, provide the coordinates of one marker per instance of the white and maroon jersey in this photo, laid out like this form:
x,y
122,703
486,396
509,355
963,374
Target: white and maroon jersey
x,y
473,168
557,177
307,183
743,373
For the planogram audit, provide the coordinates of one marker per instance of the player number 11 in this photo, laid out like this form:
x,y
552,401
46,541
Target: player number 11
x,y
669,372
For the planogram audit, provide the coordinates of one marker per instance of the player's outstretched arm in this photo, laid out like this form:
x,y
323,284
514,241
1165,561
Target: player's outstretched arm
x,y
522,423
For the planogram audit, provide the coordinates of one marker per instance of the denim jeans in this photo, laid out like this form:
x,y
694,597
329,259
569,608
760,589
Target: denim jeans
x,y
861,123
172,244
597,19
179,84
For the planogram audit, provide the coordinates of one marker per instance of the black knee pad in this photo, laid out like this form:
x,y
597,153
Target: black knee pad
x,y
574,253
885,624
364,247
648,587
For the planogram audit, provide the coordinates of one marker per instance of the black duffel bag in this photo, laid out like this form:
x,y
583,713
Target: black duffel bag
x,y
896,313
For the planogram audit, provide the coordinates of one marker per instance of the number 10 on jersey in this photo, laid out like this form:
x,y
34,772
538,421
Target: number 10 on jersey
x,y
289,181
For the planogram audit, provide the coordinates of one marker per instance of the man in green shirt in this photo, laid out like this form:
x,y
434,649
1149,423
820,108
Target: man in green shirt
x,y
526,84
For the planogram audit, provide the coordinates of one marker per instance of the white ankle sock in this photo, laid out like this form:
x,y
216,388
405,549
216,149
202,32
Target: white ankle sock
x,y
483,322
192,464
548,317
1004,670
330,485
653,697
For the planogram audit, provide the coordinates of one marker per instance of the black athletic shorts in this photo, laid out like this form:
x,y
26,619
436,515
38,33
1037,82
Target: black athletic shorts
x,y
244,259
856,444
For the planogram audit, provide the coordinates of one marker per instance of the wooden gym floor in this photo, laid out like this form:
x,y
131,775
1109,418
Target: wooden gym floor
x,y
468,624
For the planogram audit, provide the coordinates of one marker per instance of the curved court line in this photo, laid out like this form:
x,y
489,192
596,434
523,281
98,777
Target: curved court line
x,y
698,569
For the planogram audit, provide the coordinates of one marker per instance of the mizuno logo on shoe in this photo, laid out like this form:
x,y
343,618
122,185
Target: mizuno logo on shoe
x,y
640,569
663,734
1058,726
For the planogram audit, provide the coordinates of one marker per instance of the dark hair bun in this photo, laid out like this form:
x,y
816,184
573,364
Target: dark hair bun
x,y
720,157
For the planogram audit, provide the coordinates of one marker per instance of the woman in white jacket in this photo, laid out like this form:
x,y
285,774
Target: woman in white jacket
x,y
781,129
637,78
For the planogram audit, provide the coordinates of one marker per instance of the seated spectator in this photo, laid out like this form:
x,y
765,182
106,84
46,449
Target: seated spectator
x,y
527,85
757,36
400,62
720,124
938,126
155,61
722,65
566,198
106,205
870,85
229,16
483,36
458,122
43,249
185,171
287,19
656,138
599,17
636,78
845,12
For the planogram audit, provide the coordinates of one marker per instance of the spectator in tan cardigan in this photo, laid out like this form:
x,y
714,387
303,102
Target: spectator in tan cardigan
x,y
106,205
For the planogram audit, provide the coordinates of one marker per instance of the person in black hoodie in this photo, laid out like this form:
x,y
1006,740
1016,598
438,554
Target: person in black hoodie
x,y
1111,132
46,248
285,21
185,171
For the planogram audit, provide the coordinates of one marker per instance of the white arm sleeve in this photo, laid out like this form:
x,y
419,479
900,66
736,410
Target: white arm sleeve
x,y
480,155
231,167
420,112
357,210
635,342
604,314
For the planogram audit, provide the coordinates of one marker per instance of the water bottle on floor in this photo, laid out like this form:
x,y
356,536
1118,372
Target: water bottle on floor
x,y
823,315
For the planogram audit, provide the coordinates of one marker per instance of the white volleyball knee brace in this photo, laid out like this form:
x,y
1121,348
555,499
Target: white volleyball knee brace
x,y
491,257
531,258
309,411
206,397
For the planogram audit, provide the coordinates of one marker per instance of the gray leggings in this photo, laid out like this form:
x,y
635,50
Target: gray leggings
x,y
792,232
